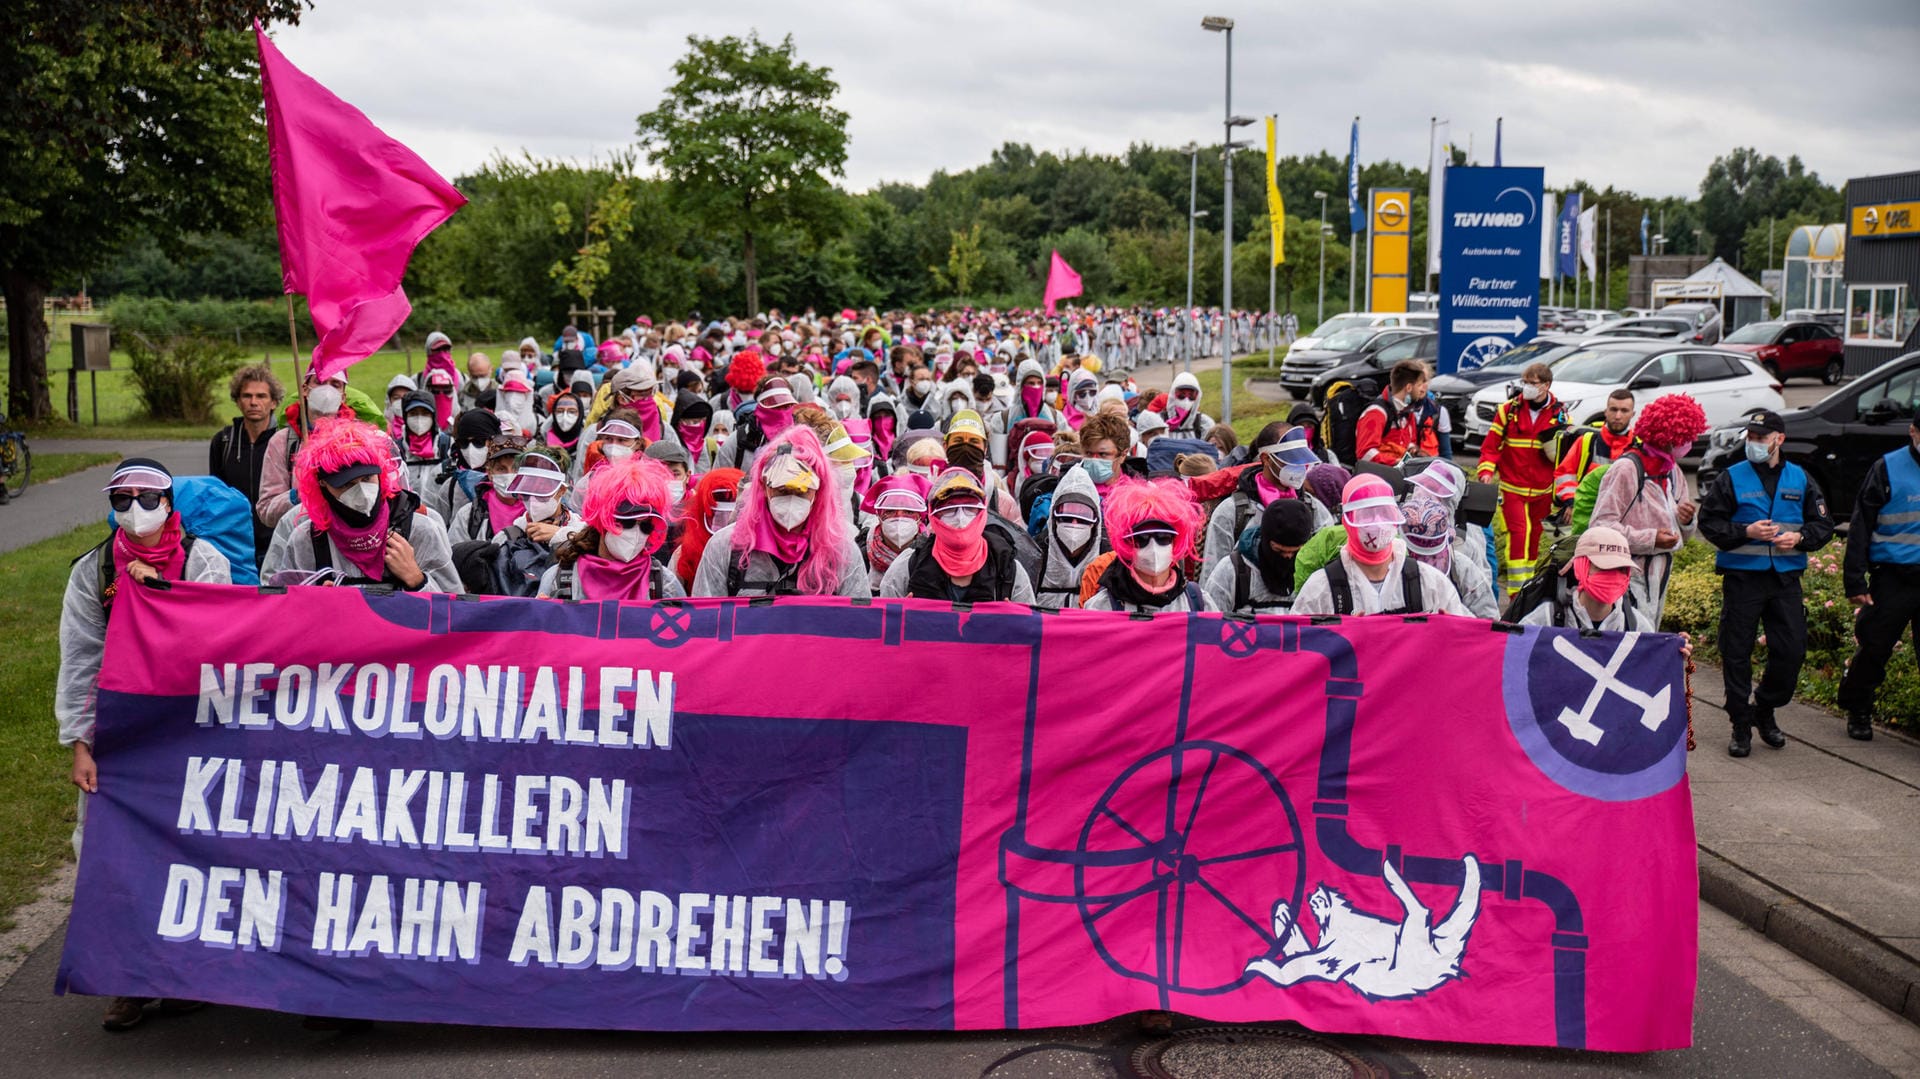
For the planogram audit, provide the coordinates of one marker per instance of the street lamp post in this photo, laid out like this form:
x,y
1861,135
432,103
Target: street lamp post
x,y
1320,311
1193,215
1222,25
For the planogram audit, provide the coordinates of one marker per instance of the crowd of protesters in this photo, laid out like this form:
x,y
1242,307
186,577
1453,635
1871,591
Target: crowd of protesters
x,y
976,457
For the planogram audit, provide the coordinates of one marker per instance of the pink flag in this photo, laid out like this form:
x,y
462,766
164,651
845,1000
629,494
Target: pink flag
x,y
352,203
1062,282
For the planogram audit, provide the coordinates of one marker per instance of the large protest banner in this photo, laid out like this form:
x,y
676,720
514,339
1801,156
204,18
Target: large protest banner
x,y
815,814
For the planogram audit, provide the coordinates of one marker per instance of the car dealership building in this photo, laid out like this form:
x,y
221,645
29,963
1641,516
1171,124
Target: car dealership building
x,y
1882,269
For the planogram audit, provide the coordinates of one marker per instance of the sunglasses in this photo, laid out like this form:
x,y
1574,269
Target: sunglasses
x,y
1154,538
121,501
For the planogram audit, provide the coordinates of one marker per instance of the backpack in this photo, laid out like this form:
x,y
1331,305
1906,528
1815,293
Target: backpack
x,y
1345,402
518,564
1545,588
221,515
1412,597
1162,451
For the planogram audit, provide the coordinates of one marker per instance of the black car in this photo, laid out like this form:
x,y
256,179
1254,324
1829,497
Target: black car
x,y
1455,390
1422,345
1839,438
1302,368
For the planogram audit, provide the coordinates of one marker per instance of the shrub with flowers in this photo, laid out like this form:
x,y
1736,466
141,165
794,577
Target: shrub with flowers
x,y
1693,606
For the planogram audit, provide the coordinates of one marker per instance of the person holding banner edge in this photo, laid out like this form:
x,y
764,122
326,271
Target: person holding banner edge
x,y
148,543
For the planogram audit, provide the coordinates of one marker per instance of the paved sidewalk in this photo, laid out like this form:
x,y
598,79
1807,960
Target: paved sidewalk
x,y
58,506
1816,842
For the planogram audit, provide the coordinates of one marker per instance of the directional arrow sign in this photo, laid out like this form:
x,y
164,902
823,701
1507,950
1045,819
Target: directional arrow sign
x,y
1489,325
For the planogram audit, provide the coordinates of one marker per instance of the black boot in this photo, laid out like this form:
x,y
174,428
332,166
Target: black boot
x,y
1769,730
1742,743
1860,726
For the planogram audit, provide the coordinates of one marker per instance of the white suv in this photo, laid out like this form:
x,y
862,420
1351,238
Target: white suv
x,y
1424,320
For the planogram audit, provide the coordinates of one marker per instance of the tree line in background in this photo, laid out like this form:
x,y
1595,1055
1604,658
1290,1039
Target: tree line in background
x,y
725,204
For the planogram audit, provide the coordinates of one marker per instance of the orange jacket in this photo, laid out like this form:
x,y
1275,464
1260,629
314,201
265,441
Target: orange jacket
x,y
1592,449
1513,446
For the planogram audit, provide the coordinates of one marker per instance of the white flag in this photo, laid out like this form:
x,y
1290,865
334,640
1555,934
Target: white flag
x,y
1439,156
1549,216
1589,223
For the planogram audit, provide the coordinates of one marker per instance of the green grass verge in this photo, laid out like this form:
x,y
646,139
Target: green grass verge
x,y
121,414
36,799
52,466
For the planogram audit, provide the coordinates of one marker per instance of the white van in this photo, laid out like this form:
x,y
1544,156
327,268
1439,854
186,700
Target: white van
x,y
1425,320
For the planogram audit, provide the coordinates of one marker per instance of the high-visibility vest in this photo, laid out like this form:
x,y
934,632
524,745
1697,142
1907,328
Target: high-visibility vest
x,y
1896,535
1785,508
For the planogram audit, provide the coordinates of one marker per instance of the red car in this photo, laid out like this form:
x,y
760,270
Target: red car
x,y
1787,349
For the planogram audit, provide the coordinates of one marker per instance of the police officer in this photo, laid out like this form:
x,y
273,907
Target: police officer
x,y
1882,575
1764,514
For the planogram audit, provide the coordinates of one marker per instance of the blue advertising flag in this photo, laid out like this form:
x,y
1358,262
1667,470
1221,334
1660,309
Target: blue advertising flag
x,y
1568,248
1646,221
1356,217
1490,241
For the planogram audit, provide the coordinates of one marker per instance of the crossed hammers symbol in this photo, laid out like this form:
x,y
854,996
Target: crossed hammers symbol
x,y
1654,708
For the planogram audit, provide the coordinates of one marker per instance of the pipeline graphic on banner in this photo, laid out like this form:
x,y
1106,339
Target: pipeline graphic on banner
x,y
816,814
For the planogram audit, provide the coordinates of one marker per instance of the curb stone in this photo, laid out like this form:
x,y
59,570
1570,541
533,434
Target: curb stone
x,y
1885,976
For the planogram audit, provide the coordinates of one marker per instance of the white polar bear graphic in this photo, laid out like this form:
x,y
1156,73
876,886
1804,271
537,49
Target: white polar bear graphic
x,y
1380,959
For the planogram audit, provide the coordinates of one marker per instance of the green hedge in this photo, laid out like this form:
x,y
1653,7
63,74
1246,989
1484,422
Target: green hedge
x,y
264,322
1693,607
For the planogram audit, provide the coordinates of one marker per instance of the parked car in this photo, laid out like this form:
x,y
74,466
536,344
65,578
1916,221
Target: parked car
x,y
1728,385
1832,318
1455,391
1303,367
1363,319
1788,348
1708,327
1651,327
1422,345
1839,438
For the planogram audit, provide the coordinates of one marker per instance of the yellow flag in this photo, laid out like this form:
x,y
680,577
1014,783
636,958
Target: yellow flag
x,y
1276,208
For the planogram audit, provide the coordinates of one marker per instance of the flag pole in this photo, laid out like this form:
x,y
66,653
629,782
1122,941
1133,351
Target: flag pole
x,y
293,342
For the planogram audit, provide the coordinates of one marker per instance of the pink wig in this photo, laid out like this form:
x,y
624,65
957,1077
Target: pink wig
x,y
1129,502
638,479
333,445
829,532
1674,420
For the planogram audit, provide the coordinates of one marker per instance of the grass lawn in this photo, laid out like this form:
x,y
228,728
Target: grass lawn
x,y
121,415
52,466
36,800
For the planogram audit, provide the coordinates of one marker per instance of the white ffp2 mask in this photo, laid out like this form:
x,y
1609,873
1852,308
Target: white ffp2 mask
x,y
1153,559
789,511
362,496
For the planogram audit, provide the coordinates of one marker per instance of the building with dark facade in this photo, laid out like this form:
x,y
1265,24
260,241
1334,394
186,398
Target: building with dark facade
x,y
1882,269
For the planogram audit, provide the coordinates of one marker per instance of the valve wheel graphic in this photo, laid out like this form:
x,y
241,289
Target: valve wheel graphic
x,y
1172,885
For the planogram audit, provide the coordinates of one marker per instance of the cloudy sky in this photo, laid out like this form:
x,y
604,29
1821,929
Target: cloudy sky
x,y
1634,93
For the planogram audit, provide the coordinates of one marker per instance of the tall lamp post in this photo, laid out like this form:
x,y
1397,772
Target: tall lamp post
x,y
1320,311
1192,149
1222,25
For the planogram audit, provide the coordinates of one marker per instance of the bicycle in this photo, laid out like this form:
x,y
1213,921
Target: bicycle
x,y
16,462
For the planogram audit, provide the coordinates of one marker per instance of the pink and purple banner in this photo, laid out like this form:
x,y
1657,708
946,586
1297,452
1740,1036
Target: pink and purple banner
x,y
815,814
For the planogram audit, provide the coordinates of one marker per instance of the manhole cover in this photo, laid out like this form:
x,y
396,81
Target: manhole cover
x,y
1248,1053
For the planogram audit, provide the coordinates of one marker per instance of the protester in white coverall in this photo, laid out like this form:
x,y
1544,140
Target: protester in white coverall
x,y
148,542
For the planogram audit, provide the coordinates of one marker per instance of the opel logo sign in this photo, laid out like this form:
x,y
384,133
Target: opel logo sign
x,y
1871,219
1391,213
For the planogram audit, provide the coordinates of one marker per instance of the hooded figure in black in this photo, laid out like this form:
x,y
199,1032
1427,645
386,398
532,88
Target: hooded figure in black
x,y
1258,577
459,481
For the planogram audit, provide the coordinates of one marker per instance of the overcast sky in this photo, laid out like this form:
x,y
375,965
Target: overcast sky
x,y
1638,94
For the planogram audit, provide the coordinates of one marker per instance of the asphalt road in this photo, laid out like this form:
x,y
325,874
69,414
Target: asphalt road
x,y
1760,1012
